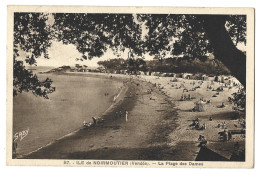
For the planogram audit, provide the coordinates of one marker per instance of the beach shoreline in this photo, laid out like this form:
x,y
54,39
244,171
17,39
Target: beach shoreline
x,y
157,127
120,93
134,96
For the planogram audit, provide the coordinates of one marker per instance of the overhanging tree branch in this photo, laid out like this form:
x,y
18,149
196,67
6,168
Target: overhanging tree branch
x,y
224,49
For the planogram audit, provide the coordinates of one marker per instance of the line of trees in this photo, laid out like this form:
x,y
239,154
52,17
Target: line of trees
x,y
167,65
131,65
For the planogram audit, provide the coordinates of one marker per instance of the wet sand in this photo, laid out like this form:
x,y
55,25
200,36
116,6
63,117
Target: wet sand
x,y
76,99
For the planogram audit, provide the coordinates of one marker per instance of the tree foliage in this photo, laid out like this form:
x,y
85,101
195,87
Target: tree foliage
x,y
162,29
93,34
175,35
131,65
113,64
236,27
32,35
191,36
239,99
168,65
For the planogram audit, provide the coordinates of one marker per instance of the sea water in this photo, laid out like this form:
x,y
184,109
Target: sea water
x,y
76,99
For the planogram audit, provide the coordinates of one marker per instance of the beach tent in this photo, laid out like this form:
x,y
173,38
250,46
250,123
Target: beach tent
x,y
163,75
142,73
219,79
204,77
157,73
199,107
171,75
153,74
186,75
183,75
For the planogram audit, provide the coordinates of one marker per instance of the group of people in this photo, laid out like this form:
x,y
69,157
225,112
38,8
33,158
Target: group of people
x,y
196,124
95,121
225,135
209,87
222,125
202,141
149,91
120,115
184,97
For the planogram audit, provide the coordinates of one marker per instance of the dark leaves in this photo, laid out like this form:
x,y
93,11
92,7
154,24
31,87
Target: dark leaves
x,y
25,80
239,99
236,27
32,35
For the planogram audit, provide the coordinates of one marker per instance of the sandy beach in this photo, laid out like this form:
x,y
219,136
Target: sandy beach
x,y
77,99
185,138
157,125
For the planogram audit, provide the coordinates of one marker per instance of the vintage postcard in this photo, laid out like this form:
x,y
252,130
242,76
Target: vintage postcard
x,y
130,86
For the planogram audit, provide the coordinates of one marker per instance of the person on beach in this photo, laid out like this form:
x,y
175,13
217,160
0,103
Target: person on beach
x,y
126,115
204,126
182,98
201,137
229,136
189,97
225,135
224,125
197,125
94,120
202,141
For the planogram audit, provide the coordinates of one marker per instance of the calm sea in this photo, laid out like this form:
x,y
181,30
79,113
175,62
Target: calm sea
x,y
77,98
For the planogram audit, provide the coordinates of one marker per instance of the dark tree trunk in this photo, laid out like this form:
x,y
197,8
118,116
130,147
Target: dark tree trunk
x,y
224,49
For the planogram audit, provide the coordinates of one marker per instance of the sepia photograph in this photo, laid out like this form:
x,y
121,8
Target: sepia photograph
x,y
121,86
